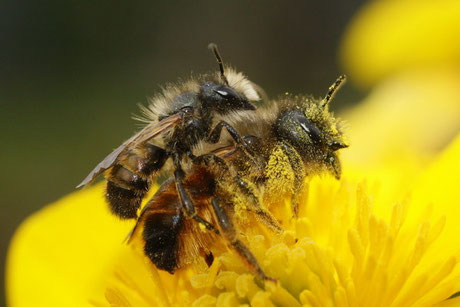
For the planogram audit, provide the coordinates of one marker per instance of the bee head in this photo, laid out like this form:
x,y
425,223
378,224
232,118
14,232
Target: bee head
x,y
308,127
230,91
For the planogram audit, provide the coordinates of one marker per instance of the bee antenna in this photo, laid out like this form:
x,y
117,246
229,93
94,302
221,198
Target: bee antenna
x,y
213,48
332,90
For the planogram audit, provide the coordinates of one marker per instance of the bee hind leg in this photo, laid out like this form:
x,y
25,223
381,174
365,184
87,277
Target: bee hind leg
x,y
229,233
185,200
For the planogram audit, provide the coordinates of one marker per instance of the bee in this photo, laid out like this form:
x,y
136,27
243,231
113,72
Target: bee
x,y
295,135
178,119
171,241
292,139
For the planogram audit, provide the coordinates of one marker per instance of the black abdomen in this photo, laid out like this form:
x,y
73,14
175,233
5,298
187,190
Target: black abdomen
x,y
161,235
129,181
123,202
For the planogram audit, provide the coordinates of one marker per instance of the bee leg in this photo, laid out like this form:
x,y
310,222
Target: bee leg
x,y
214,136
229,233
211,159
299,175
266,217
254,205
186,201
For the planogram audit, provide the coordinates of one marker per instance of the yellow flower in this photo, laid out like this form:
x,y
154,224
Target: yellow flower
x,y
350,247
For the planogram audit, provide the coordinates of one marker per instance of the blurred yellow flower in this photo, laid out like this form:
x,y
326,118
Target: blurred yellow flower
x,y
391,36
409,53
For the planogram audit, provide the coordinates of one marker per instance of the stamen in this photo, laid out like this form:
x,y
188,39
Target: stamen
x,y
383,263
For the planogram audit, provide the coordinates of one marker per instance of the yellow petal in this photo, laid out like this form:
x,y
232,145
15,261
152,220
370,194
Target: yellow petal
x,y
390,36
407,119
438,189
450,303
58,255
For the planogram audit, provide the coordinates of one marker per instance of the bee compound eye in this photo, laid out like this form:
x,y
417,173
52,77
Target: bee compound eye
x,y
222,93
294,127
313,132
223,98
227,93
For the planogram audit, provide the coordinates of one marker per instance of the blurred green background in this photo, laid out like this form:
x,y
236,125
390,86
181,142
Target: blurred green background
x,y
72,72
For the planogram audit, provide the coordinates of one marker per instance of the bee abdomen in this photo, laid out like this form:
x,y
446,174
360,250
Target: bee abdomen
x,y
127,179
125,191
130,180
146,160
123,202
161,235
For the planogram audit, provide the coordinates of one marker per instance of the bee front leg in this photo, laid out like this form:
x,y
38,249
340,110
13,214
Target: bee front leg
x,y
229,233
214,136
184,197
254,205
242,142
299,175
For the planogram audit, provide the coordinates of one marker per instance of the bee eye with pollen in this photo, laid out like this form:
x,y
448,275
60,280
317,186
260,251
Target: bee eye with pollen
x,y
313,132
295,128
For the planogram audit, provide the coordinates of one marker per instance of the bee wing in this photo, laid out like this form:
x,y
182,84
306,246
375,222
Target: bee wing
x,y
225,152
149,132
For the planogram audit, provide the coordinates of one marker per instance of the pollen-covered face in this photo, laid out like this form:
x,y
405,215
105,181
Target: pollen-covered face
x,y
313,132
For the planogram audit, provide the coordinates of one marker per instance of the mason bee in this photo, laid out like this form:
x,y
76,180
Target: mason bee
x,y
296,135
293,138
177,121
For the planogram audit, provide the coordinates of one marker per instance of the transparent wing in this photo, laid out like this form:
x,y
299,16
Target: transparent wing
x,y
225,152
149,132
